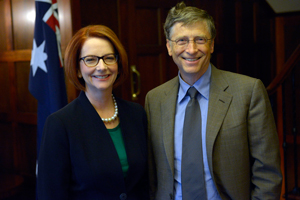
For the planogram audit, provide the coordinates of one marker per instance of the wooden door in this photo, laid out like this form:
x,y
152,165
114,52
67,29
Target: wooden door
x,y
143,37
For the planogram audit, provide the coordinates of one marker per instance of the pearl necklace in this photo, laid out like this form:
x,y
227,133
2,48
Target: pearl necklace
x,y
108,120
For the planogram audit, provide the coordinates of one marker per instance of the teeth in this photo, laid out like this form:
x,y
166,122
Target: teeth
x,y
190,59
102,77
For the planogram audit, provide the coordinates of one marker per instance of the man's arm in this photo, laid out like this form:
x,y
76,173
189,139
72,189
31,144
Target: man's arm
x,y
151,161
264,146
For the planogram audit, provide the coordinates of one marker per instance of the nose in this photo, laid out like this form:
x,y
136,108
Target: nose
x,y
191,47
101,65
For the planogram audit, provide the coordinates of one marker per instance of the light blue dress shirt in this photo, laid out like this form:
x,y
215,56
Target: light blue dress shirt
x,y
202,85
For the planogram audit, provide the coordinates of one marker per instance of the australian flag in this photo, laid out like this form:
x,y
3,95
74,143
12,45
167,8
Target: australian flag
x,y
46,79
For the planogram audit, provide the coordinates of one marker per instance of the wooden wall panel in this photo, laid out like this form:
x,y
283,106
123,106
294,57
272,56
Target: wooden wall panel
x,y
8,25
6,148
100,12
291,38
291,120
2,26
65,23
4,88
148,32
291,170
264,39
286,42
26,148
25,101
149,68
288,37
23,13
224,14
148,49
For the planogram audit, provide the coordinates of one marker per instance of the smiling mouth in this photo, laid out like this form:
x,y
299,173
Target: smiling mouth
x,y
191,59
102,76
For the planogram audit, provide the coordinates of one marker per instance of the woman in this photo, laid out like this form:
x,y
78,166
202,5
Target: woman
x,y
95,147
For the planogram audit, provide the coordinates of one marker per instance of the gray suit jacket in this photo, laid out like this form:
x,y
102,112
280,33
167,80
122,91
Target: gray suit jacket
x,y
242,142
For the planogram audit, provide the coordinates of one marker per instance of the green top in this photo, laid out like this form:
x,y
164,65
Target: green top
x,y
116,136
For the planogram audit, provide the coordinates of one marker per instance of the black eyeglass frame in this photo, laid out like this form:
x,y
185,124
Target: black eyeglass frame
x,y
99,58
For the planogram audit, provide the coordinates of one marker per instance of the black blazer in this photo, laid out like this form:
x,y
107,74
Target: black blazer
x,y
78,159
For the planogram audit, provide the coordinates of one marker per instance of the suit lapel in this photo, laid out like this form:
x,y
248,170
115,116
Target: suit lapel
x,y
168,107
219,102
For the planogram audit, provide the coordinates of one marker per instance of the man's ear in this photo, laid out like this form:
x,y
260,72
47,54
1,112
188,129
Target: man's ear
x,y
169,47
212,46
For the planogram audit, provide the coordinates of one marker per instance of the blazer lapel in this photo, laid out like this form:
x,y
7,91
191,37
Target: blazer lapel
x,y
219,102
168,107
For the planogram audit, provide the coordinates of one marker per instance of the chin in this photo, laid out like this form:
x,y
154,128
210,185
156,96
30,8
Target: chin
x,y
192,70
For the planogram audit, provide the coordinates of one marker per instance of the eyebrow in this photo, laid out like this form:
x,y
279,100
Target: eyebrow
x,y
203,36
99,56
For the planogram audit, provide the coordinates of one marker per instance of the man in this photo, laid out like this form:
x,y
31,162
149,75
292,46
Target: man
x,y
240,147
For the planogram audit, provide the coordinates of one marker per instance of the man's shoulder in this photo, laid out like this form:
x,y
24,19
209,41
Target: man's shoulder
x,y
236,84
231,78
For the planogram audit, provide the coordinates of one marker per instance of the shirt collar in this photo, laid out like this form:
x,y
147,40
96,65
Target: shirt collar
x,y
202,85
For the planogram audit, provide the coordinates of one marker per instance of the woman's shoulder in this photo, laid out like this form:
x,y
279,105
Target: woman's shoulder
x,y
69,111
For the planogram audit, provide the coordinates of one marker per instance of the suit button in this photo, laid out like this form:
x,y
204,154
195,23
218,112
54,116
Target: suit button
x,y
123,196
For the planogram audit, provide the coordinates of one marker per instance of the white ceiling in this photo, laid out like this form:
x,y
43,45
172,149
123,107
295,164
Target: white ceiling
x,y
284,6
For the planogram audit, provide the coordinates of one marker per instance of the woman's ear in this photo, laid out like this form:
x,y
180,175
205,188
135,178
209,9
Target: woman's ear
x,y
79,74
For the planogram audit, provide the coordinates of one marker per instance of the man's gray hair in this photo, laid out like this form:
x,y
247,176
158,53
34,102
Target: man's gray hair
x,y
188,15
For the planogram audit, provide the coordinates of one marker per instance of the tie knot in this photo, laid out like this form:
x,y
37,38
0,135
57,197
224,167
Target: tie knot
x,y
192,92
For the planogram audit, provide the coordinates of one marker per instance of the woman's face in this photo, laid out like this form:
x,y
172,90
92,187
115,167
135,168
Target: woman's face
x,y
102,76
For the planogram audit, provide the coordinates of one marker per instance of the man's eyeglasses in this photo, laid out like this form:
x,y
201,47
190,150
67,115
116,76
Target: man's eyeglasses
x,y
92,61
183,42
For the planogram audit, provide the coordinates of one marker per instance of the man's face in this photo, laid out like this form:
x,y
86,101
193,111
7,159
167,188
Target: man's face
x,y
193,59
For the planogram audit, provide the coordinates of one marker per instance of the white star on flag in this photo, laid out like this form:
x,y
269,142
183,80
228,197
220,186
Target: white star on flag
x,y
38,58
